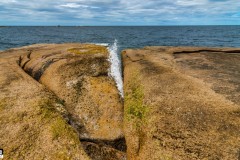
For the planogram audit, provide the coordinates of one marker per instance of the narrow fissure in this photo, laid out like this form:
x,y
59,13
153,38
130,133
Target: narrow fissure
x,y
208,50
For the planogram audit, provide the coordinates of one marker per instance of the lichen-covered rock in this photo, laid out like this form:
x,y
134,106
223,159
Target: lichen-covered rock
x,y
78,74
67,98
33,122
181,103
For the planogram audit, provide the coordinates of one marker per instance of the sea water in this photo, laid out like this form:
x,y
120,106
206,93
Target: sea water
x,y
127,37
119,38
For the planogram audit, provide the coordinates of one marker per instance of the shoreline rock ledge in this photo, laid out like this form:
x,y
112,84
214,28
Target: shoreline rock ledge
x,y
182,103
57,101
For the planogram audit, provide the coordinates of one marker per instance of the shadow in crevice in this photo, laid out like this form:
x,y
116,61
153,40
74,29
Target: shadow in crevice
x,y
105,149
118,144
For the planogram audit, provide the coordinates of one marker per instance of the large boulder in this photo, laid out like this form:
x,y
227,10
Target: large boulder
x,y
78,74
182,103
67,108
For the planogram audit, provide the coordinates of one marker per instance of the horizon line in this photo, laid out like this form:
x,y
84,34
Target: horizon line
x,y
116,25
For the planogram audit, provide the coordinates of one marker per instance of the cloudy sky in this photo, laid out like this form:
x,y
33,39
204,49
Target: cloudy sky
x,y
119,12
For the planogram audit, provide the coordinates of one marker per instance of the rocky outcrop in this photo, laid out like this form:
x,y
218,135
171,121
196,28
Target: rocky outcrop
x,y
182,103
67,108
57,101
78,75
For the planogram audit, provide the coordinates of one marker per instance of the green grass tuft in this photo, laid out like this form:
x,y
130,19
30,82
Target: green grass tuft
x,y
135,107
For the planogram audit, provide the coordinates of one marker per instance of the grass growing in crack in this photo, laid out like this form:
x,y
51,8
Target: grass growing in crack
x,y
136,110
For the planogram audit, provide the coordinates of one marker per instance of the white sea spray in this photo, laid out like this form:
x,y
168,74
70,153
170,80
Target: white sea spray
x,y
115,70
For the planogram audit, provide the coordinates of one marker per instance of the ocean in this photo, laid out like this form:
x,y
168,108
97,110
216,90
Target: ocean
x,y
126,37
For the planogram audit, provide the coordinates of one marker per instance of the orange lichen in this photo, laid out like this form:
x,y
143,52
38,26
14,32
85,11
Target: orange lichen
x,y
88,49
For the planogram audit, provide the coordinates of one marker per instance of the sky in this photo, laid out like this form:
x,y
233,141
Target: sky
x,y
119,12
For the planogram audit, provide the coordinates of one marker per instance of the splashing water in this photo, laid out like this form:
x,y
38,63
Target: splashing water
x,y
115,70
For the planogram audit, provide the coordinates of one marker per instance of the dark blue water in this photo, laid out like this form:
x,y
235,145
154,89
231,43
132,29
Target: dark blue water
x,y
127,37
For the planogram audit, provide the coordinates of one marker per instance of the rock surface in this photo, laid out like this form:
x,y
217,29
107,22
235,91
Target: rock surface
x,y
58,102
78,74
67,98
182,103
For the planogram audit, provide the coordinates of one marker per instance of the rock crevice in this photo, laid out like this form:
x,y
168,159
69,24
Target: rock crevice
x,y
77,74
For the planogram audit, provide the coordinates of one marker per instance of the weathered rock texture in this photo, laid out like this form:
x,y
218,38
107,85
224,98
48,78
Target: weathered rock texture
x,y
182,103
67,98
58,102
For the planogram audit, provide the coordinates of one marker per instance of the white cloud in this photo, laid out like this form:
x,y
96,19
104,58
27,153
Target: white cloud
x,y
75,5
191,2
70,5
120,10
8,1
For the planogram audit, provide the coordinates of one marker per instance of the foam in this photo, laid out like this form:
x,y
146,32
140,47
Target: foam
x,y
115,70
